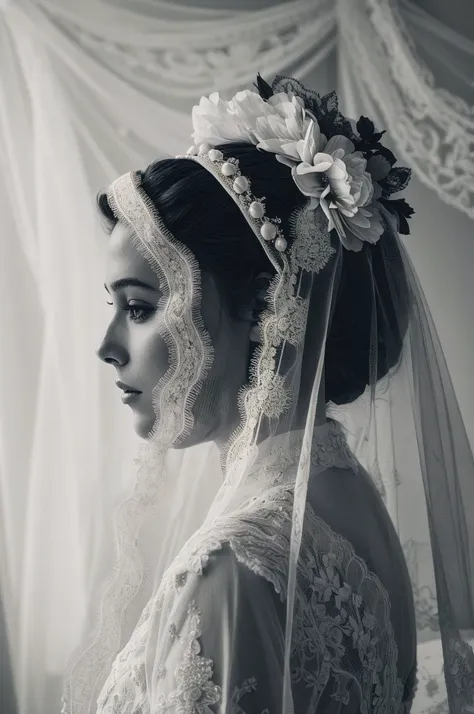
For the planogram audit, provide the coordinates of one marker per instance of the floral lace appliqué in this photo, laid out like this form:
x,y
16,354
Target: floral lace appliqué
x,y
313,250
247,687
194,691
342,628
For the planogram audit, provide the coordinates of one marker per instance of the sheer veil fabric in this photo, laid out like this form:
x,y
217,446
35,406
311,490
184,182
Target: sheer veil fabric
x,y
258,603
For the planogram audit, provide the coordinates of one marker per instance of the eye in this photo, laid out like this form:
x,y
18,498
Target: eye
x,y
136,313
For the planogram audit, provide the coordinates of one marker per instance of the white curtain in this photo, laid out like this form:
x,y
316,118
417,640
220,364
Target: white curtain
x,y
93,88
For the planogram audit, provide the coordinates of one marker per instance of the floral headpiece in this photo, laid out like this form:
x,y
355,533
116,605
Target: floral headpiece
x,y
340,165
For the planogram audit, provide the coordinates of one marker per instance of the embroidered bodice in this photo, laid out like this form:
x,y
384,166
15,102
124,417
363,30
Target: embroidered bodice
x,y
211,638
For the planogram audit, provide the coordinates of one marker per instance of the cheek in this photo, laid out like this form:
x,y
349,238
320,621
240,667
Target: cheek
x,y
151,358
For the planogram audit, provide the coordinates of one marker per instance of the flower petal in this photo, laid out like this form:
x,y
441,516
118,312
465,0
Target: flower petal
x,y
340,142
322,161
336,172
213,98
300,148
309,184
289,148
369,234
346,210
324,202
313,142
277,125
366,194
278,98
294,127
248,103
378,167
305,168
377,191
351,242
356,161
282,159
274,146
338,154
359,220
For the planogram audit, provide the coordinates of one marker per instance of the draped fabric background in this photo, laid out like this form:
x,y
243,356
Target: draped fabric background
x,y
92,88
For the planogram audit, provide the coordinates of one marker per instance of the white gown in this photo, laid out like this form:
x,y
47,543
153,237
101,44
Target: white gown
x,y
212,638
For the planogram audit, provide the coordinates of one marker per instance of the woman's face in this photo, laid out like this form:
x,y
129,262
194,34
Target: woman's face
x,y
134,345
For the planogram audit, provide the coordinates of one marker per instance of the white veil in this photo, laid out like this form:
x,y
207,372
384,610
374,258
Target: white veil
x,y
405,428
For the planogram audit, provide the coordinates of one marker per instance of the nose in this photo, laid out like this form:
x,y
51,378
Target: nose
x,y
101,354
111,353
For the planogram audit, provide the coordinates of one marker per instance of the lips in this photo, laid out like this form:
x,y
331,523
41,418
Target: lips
x,y
129,397
127,388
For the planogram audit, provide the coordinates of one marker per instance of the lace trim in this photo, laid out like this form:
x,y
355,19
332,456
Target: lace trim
x,y
269,393
191,356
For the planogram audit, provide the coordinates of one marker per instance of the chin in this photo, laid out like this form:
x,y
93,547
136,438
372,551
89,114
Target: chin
x,y
201,433
143,426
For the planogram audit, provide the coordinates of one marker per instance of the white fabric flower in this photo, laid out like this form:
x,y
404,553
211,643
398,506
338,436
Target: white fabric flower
x,y
216,121
286,121
331,173
248,117
334,176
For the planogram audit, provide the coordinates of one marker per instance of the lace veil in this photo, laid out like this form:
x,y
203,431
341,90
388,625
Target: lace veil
x,y
406,430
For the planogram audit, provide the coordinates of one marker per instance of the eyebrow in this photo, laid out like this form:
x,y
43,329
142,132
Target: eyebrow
x,y
129,283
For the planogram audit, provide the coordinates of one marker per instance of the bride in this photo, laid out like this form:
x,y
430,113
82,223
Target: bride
x,y
261,296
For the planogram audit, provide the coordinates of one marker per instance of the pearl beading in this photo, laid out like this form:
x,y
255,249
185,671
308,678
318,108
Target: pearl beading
x,y
227,171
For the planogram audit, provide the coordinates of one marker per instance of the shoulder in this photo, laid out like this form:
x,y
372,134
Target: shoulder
x,y
334,488
337,475
226,602
232,578
241,548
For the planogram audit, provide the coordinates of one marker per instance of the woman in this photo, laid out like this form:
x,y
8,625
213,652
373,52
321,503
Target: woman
x,y
249,294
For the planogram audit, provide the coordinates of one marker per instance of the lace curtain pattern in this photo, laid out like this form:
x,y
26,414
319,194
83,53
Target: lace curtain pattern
x,y
88,91
432,128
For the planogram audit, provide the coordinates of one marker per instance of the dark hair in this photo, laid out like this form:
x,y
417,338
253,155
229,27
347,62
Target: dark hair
x,y
201,215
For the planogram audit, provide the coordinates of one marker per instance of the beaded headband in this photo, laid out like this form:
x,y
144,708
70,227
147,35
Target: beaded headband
x,y
227,172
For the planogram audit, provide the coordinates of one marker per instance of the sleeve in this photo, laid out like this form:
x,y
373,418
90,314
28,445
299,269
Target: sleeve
x,y
220,650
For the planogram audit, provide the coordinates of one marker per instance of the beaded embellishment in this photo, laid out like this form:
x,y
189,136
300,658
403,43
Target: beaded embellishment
x,y
266,228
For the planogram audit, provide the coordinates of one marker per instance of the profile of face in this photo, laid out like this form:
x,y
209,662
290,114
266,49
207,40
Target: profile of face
x,y
133,343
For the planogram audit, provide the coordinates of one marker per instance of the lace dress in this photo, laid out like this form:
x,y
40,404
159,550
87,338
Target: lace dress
x,y
212,638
